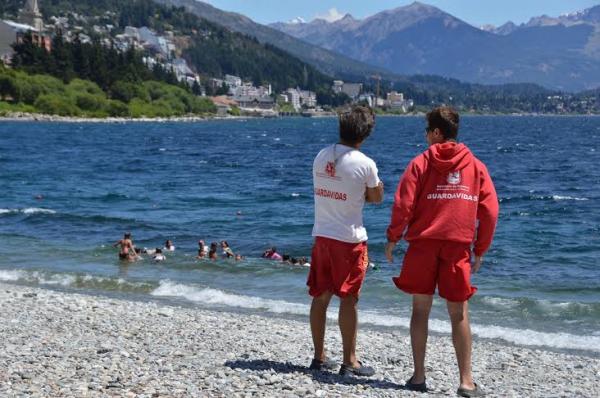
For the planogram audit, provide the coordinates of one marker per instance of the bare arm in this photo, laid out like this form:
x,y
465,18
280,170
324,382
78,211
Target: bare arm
x,y
375,195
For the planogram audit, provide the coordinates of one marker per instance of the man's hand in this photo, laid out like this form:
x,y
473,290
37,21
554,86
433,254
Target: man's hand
x,y
476,264
389,251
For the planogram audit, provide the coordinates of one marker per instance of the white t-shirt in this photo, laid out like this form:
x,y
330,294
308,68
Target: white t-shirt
x,y
341,175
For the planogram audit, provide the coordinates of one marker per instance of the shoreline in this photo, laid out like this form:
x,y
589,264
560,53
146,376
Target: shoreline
x,y
57,344
35,117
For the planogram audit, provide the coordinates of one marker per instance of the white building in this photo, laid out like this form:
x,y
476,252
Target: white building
x,y
337,86
395,96
293,97
308,99
233,81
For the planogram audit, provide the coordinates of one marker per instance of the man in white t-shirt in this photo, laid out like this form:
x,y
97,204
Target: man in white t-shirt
x,y
344,179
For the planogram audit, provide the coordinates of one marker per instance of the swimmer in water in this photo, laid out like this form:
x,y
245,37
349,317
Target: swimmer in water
x,y
212,253
126,248
227,252
169,246
158,255
272,254
202,249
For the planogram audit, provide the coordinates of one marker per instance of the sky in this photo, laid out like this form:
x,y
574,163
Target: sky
x,y
475,12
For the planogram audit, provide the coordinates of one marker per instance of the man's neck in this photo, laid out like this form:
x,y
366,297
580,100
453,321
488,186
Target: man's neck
x,y
354,145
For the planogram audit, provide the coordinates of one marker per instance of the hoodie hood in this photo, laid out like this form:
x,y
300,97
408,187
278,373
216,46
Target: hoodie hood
x,y
449,156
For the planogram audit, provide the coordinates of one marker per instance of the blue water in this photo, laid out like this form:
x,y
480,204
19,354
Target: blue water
x,y
70,190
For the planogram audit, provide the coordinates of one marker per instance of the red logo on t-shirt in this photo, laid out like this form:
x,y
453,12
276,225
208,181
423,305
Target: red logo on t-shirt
x,y
330,169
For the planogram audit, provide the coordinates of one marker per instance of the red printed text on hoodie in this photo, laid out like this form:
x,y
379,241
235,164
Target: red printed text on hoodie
x,y
442,194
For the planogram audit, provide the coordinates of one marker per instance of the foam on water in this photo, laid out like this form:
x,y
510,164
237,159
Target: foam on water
x,y
70,280
219,297
523,337
559,197
28,210
37,277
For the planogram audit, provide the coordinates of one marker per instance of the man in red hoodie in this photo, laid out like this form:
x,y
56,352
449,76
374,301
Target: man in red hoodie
x,y
445,203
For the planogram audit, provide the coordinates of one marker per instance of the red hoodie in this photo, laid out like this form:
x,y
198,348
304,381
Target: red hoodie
x,y
441,195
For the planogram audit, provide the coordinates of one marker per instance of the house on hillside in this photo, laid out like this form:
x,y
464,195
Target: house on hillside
x,y
30,20
13,32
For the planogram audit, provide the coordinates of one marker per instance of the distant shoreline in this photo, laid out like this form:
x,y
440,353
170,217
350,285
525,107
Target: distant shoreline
x,y
35,117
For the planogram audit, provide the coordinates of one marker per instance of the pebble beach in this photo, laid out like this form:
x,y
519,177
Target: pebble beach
x,y
66,344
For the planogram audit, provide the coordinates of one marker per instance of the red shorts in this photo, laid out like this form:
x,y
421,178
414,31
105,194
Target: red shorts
x,y
337,267
429,262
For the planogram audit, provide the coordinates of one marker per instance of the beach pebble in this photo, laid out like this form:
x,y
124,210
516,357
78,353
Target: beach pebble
x,y
74,345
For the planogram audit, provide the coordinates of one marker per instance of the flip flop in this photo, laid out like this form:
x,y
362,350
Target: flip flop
x,y
420,387
476,392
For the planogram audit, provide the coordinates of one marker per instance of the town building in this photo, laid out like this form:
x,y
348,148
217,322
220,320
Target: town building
x,y
352,90
31,15
11,32
293,98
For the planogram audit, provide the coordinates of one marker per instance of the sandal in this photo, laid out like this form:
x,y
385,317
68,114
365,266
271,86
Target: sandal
x,y
420,387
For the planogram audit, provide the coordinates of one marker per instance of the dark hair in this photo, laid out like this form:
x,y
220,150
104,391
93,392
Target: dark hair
x,y
356,124
127,235
446,119
274,249
158,251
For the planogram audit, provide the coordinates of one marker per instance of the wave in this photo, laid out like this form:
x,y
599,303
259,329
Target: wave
x,y
525,337
546,198
219,297
28,211
85,281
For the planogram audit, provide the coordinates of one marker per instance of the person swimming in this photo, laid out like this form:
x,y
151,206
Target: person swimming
x,y
227,252
169,246
158,255
272,254
202,249
126,248
212,253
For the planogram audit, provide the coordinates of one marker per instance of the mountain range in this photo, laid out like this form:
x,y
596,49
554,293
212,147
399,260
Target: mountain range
x,y
327,61
560,53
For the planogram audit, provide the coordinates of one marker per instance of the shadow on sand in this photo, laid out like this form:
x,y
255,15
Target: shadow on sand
x,y
320,376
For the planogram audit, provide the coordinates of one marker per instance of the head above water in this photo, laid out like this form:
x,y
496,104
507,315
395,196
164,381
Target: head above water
x,y
168,243
442,125
356,124
127,235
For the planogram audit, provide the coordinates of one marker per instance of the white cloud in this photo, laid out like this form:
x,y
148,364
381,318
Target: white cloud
x,y
331,16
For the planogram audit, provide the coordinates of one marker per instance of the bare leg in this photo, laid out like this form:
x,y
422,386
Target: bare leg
x,y
461,337
348,322
318,320
419,330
